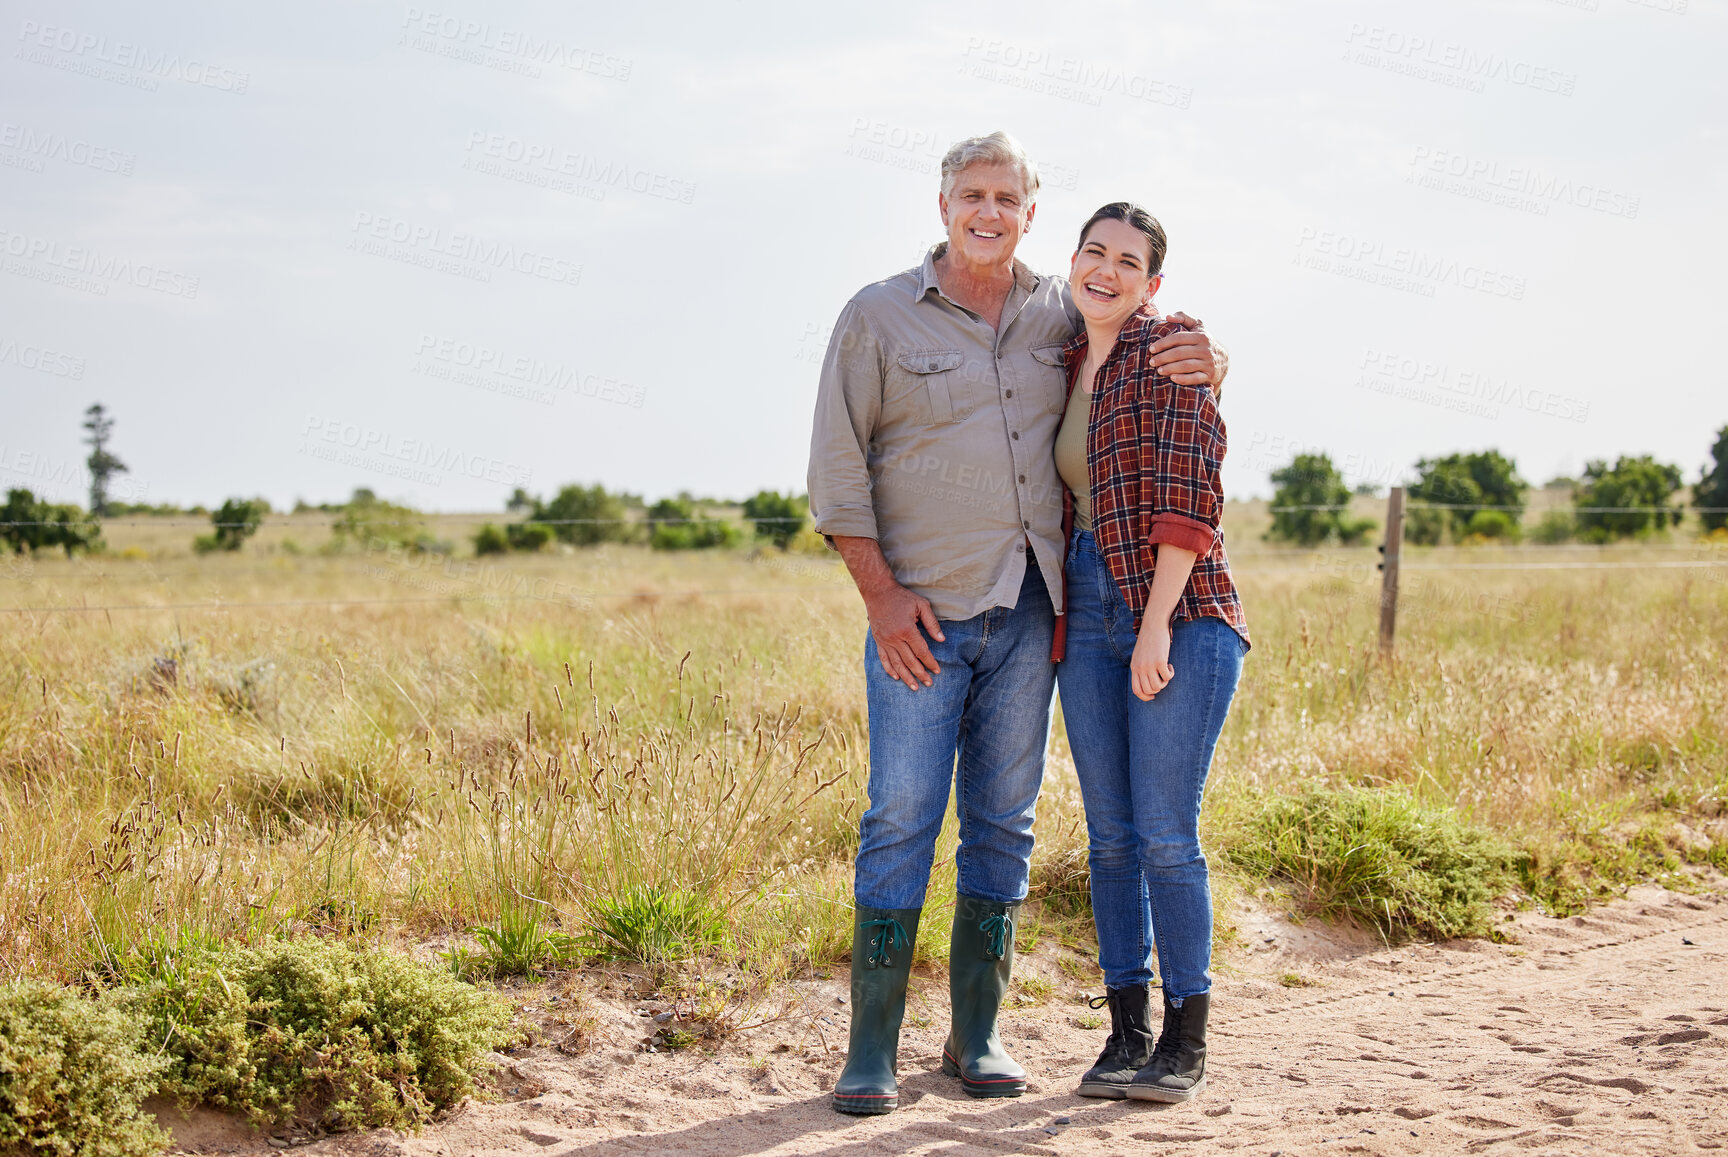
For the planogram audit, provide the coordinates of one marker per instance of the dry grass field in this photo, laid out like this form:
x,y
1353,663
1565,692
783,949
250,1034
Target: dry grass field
x,y
618,752
588,779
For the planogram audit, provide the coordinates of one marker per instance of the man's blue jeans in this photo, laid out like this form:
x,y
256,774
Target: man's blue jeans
x,y
1142,769
991,705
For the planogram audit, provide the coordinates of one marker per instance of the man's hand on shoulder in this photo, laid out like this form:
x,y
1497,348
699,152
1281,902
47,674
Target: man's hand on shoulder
x,y
1191,357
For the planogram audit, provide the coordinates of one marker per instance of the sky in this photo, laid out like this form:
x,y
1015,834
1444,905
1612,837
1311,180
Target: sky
x,y
448,250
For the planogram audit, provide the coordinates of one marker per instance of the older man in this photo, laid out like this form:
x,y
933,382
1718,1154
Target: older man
x,y
932,472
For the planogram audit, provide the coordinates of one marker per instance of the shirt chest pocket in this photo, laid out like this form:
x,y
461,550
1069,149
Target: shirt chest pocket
x,y
932,383
1050,377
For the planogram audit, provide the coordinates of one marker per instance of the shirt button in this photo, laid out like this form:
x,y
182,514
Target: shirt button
x,y
1016,435
1007,393
1027,525
1022,477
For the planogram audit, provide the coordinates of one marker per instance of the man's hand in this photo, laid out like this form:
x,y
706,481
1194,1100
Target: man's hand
x,y
1191,358
895,616
895,613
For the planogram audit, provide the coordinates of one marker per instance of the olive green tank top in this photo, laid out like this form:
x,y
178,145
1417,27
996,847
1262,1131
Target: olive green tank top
x,y
1071,455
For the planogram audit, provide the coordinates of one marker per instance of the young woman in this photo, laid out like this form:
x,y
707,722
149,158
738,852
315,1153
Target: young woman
x,y
1150,649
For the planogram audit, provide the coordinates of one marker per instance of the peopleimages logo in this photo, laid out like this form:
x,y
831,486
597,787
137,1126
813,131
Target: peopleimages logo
x,y
46,255
1448,62
1375,261
581,168
427,244
80,49
43,361
40,146
1513,186
417,459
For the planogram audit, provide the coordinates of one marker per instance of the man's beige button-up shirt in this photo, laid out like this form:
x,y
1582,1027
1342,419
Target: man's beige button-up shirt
x,y
935,435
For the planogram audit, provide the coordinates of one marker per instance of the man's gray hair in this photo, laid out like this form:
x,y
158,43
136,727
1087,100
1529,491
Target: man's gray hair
x,y
996,149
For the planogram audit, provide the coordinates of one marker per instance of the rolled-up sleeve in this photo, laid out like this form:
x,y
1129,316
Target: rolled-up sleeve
x,y
1187,492
848,406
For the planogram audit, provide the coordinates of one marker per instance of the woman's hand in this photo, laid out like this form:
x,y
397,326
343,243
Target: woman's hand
x,y
1149,668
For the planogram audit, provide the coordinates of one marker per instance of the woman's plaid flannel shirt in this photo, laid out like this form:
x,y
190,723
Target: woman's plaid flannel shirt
x,y
1154,450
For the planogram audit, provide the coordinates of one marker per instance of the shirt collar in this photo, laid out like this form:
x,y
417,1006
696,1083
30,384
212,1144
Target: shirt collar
x,y
1137,329
1024,279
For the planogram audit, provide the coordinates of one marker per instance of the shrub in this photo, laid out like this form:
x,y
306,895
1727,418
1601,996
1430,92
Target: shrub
x,y
778,517
529,536
1492,524
1486,478
375,524
1555,526
72,1077
1310,480
1711,491
586,515
353,1037
233,524
490,539
1629,483
673,524
27,524
1380,857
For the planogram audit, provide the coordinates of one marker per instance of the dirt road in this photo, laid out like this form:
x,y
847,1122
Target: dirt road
x,y
1606,1033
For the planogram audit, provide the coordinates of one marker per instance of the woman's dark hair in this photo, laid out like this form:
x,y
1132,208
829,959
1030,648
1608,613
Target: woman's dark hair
x,y
1131,214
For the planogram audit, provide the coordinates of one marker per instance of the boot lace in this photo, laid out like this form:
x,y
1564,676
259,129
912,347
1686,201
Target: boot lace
x,y
890,937
998,929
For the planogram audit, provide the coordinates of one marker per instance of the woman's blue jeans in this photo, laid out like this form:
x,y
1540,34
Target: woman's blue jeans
x,y
1142,769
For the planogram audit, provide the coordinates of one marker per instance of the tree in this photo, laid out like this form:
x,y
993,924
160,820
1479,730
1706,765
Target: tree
x,y
1712,489
102,464
375,524
1312,481
585,515
233,524
778,518
1630,484
27,524
1488,478
520,501
673,524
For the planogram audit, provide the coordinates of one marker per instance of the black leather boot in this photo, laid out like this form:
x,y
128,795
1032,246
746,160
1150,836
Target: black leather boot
x,y
1129,1046
1177,1069
882,942
980,965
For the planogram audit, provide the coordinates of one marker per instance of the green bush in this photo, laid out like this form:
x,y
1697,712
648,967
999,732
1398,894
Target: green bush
x,y
778,517
1381,857
1711,491
529,536
586,515
72,1077
1622,488
1495,524
1483,478
375,524
350,1037
674,524
27,524
1554,527
1311,480
490,539
233,524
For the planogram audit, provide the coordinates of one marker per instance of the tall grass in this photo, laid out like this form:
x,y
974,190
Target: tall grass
x,y
649,773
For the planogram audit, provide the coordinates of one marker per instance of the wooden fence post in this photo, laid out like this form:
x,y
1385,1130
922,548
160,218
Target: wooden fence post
x,y
1389,566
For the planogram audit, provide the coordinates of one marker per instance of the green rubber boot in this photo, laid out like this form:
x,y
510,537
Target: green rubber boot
x,y
881,964
980,965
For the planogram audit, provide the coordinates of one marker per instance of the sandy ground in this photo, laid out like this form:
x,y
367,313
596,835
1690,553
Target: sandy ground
x,y
1605,1033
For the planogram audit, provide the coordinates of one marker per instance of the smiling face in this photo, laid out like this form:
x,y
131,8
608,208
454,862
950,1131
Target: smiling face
x,y
1109,274
987,212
